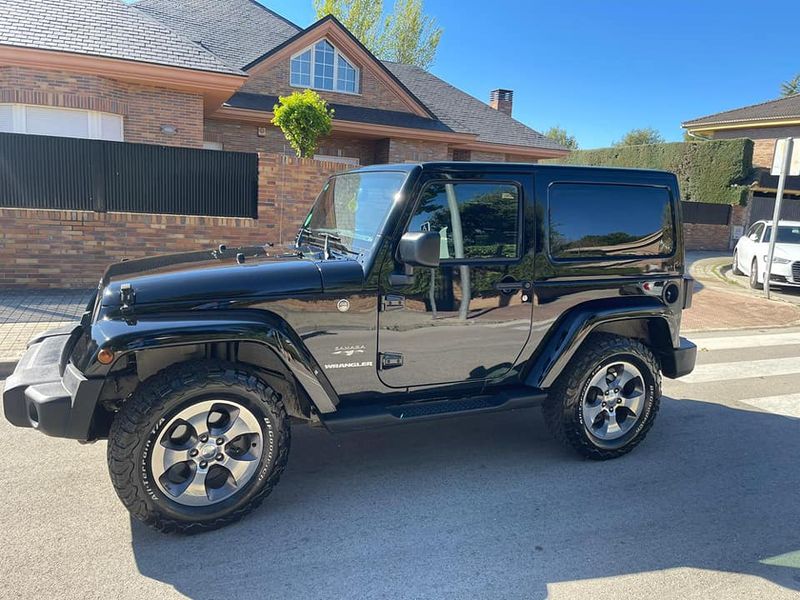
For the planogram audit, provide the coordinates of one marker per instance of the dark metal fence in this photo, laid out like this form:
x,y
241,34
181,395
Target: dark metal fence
x,y
763,206
76,174
706,213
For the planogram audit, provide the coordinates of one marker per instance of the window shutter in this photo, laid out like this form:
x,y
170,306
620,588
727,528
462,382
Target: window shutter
x,y
111,127
6,118
56,121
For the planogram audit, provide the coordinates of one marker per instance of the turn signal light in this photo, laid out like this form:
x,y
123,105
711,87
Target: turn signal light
x,y
105,356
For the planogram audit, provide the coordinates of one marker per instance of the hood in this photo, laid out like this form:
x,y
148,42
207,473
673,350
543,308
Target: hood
x,y
788,251
211,275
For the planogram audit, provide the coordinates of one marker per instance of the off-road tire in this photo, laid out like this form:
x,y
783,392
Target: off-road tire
x,y
136,427
754,283
735,265
562,409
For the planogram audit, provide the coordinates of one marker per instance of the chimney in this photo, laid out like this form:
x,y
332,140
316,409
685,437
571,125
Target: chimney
x,y
502,100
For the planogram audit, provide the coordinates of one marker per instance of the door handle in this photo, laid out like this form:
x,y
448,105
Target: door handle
x,y
508,287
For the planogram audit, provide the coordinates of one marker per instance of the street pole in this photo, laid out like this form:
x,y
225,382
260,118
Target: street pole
x,y
776,214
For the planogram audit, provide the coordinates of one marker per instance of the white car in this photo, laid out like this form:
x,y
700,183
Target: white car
x,y
750,254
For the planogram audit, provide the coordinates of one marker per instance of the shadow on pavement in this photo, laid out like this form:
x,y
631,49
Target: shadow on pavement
x,y
491,507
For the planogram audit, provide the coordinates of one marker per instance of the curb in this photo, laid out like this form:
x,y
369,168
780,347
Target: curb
x,y
7,368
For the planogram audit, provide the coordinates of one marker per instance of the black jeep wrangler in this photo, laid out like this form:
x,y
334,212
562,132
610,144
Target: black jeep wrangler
x,y
412,292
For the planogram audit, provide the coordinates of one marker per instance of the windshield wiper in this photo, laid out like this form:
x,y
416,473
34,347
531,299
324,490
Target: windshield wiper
x,y
324,239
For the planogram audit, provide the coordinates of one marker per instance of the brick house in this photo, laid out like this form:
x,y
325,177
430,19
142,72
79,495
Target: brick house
x,y
763,123
206,73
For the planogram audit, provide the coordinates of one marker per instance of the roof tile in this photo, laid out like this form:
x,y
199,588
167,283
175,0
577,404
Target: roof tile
x,y
782,108
100,28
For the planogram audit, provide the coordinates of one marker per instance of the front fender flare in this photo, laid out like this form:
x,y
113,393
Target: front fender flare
x,y
566,336
169,330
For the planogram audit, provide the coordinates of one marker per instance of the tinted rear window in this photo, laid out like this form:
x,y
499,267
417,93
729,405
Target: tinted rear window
x,y
590,220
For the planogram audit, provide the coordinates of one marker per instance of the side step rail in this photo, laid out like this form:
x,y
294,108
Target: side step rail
x,y
369,416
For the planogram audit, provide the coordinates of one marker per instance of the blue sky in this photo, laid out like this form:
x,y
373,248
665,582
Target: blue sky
x,y
601,67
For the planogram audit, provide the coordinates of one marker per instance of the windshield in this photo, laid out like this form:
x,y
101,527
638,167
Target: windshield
x,y
351,209
786,234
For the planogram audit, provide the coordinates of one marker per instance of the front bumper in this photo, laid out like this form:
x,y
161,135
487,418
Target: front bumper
x,y
783,273
48,393
679,361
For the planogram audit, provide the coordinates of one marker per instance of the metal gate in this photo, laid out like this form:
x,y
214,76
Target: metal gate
x,y
763,206
76,174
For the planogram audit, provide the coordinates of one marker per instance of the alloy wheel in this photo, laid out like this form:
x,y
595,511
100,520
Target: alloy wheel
x,y
613,402
207,452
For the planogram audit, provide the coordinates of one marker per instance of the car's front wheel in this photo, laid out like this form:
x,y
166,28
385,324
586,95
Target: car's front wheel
x,y
735,267
754,283
198,446
605,402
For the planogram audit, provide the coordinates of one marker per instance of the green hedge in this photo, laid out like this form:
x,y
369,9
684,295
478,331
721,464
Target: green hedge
x,y
714,171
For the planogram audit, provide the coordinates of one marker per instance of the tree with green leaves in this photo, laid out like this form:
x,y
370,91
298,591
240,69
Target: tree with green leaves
x,y
406,36
560,135
791,87
410,36
303,117
361,17
640,137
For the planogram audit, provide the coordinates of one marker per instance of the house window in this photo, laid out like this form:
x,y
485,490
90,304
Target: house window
x,y
323,67
62,122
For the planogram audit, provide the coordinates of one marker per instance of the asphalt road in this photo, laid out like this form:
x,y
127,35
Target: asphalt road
x,y
474,507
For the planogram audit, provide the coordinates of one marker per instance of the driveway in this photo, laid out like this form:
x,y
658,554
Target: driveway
x,y
715,267
474,507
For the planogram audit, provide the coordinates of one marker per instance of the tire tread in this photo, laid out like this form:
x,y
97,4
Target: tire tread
x,y
128,431
564,396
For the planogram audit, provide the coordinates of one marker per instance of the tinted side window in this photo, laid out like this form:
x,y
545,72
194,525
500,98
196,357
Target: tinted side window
x,y
596,220
753,229
486,215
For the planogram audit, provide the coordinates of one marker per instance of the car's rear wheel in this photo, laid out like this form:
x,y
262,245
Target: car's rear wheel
x,y
198,446
735,267
754,283
605,402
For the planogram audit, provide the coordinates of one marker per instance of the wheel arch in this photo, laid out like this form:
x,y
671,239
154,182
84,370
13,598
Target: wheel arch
x,y
646,319
264,341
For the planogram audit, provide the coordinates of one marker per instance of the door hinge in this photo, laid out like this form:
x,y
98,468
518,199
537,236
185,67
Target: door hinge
x,y
390,360
392,302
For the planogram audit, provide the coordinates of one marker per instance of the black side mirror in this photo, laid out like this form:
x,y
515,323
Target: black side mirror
x,y
420,248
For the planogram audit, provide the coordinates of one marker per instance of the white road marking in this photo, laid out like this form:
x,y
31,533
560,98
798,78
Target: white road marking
x,y
758,340
787,405
743,370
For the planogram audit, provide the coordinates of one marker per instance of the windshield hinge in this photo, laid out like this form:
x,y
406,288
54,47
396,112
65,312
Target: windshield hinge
x,y
127,296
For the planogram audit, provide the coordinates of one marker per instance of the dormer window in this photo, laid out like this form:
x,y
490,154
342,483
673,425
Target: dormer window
x,y
323,67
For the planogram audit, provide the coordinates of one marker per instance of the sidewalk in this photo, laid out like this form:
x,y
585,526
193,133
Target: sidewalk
x,y
721,304
25,313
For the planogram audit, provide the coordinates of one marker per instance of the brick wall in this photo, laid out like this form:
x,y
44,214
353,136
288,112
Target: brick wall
x,y
56,248
700,236
145,108
274,81
478,156
402,150
238,136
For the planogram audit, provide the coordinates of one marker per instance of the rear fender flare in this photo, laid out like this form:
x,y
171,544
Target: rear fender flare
x,y
171,330
567,335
